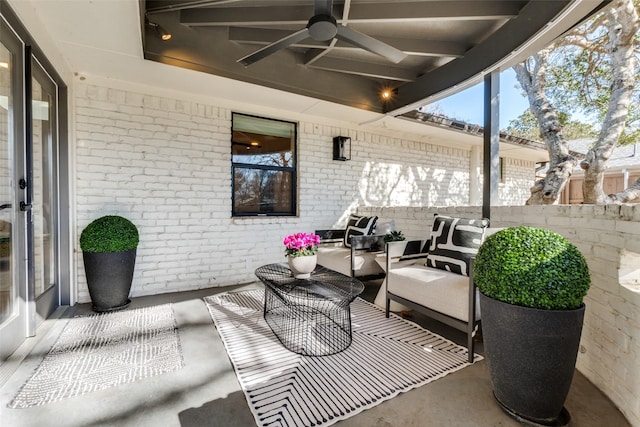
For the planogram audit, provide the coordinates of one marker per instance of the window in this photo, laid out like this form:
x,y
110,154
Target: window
x,y
503,171
263,160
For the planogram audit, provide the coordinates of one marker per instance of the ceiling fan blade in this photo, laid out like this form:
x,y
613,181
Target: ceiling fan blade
x,y
369,43
274,47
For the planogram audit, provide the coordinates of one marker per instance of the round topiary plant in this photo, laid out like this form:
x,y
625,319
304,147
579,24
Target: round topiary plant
x,y
109,233
532,267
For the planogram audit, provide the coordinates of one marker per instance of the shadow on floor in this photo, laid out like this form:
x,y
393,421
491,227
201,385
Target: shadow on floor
x,y
231,411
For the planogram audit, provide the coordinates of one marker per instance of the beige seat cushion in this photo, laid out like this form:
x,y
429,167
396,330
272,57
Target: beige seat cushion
x,y
436,289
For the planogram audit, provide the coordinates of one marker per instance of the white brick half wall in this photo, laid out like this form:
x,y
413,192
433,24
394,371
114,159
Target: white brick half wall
x,y
609,238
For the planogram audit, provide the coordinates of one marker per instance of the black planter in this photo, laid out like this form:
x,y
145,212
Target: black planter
x,y
109,277
531,355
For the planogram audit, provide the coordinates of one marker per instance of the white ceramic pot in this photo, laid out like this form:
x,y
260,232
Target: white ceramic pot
x,y
396,249
302,266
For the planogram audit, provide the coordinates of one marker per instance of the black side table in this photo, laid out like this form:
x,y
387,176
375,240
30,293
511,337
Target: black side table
x,y
310,316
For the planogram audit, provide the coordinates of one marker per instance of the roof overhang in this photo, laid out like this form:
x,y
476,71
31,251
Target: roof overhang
x,y
450,45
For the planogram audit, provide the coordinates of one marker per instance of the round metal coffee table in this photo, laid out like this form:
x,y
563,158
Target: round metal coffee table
x,y
310,316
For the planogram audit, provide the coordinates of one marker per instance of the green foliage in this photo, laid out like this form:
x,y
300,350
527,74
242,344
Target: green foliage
x,y
109,234
526,126
532,267
579,72
394,236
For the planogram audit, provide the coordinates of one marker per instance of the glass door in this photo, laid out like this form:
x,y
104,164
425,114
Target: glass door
x,y
43,190
14,324
30,127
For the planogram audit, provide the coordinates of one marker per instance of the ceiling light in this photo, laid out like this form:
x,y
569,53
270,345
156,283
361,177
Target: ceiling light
x,y
387,93
254,143
162,33
4,65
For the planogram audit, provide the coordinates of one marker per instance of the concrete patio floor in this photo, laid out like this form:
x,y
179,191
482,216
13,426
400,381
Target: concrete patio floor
x,y
206,392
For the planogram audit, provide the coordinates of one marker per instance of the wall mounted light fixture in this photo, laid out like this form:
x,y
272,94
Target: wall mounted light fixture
x,y
162,33
342,148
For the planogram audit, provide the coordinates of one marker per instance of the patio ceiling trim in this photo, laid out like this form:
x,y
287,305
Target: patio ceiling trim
x,y
396,11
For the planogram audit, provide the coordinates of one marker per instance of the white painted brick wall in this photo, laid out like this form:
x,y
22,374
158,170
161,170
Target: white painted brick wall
x,y
166,165
608,237
520,175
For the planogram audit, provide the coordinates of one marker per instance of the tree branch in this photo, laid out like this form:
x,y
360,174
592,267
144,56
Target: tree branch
x,y
630,194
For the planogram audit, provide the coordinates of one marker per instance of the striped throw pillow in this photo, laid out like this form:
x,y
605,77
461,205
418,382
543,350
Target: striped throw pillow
x,y
358,226
454,241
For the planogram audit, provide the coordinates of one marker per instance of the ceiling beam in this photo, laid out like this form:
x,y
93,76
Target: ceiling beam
x,y
246,16
434,10
358,13
366,69
265,36
313,55
161,6
426,47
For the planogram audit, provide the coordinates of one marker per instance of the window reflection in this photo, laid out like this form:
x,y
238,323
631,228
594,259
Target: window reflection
x,y
8,291
259,149
263,191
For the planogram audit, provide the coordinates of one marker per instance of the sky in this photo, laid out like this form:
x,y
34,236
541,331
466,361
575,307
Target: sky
x,y
468,105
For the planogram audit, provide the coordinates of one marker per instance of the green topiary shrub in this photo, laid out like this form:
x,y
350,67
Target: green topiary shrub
x,y
109,233
532,267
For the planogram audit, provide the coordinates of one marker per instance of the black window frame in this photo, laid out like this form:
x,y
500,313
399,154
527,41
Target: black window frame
x,y
292,169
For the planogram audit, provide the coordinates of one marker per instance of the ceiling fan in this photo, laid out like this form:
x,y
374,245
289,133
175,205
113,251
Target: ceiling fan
x,y
323,27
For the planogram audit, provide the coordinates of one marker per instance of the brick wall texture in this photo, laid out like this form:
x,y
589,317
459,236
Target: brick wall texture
x,y
166,165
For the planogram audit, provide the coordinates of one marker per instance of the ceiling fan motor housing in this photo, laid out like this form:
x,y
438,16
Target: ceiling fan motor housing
x,y
322,27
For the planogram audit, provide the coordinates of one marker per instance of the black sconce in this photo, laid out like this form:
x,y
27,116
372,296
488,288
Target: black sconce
x,y
342,148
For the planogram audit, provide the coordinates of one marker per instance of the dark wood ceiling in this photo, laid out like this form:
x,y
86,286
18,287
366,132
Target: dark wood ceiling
x,y
445,42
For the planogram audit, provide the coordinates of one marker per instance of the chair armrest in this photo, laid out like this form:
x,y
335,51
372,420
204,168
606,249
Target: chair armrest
x,y
368,243
371,243
407,250
330,236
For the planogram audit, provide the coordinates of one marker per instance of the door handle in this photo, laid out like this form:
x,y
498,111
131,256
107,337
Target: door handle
x,y
5,206
24,207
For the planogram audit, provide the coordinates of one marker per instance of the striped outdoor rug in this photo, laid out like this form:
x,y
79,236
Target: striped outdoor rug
x,y
104,350
387,357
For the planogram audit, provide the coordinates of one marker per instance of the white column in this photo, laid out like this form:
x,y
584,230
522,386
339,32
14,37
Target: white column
x,y
625,178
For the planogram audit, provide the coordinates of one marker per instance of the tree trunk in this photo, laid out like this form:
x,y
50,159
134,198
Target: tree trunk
x,y
630,194
622,23
531,76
